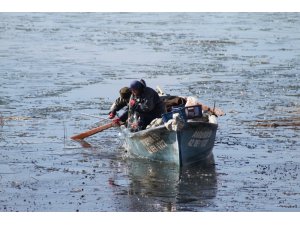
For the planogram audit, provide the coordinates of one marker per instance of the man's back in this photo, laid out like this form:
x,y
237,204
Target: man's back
x,y
150,102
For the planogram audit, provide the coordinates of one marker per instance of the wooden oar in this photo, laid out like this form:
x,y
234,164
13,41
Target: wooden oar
x,y
92,131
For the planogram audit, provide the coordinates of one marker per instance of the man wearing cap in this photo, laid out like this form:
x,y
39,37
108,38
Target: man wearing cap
x,y
144,102
120,103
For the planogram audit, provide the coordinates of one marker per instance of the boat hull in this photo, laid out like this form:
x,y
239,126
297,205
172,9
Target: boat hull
x,y
192,144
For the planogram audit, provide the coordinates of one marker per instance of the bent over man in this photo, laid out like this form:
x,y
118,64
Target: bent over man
x,y
145,103
120,103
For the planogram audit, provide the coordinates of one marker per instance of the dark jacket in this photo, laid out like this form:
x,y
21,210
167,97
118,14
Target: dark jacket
x,y
149,102
148,106
118,105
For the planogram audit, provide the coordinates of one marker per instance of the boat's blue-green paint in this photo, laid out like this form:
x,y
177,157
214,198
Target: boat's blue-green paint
x,y
196,141
191,144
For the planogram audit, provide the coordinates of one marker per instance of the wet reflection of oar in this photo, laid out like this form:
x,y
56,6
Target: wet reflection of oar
x,y
92,131
83,143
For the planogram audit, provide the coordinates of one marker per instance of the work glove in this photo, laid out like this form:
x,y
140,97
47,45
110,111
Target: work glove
x,y
117,121
111,115
132,103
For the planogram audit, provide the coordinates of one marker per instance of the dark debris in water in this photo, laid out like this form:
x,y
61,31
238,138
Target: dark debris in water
x,y
286,171
282,122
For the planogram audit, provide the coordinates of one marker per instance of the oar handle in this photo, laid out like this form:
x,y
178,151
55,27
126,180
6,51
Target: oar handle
x,y
92,131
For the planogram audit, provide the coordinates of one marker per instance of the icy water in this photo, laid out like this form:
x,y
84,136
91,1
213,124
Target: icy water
x,y
55,68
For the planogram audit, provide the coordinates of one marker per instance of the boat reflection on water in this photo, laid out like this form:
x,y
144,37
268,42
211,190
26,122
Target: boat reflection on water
x,y
158,186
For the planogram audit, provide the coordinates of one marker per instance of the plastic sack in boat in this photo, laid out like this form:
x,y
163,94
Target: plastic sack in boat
x,y
191,101
175,124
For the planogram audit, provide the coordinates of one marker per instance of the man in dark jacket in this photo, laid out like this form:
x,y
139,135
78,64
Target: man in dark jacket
x,y
145,103
120,103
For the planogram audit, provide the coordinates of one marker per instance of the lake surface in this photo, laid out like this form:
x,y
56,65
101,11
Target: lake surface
x,y
57,70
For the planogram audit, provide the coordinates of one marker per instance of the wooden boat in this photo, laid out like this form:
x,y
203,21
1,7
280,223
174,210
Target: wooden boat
x,y
193,143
